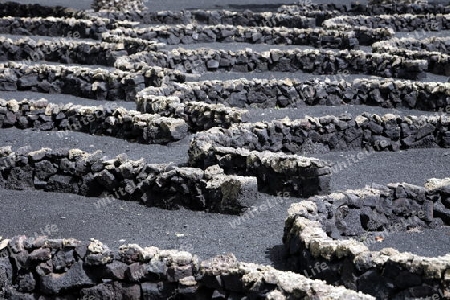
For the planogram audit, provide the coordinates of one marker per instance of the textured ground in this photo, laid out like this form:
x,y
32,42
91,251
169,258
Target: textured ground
x,y
256,239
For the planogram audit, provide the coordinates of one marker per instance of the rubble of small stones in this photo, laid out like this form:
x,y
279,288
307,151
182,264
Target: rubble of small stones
x,y
39,267
82,81
309,61
266,93
156,185
318,232
114,5
333,133
101,120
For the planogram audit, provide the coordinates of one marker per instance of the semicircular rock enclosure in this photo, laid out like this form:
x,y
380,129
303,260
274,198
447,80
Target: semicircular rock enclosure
x,y
252,151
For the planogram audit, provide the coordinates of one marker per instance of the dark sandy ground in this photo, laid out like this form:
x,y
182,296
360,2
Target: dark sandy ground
x,y
256,239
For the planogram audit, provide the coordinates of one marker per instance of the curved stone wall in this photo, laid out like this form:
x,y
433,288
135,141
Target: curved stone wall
x,y
311,238
90,270
432,44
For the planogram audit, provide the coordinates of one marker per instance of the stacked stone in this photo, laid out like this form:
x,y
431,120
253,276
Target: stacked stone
x,y
10,8
70,268
311,61
330,133
109,120
263,93
438,63
277,173
56,26
119,5
431,44
92,175
312,227
404,22
189,34
213,17
198,115
70,51
82,82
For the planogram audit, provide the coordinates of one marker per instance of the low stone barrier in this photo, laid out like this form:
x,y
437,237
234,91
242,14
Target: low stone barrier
x,y
198,115
109,120
82,82
277,173
432,44
322,231
10,8
311,61
212,17
56,26
91,175
114,5
264,93
190,34
438,63
90,270
69,51
405,22
331,133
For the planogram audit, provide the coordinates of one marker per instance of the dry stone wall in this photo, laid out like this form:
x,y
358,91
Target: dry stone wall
x,y
311,238
213,17
190,34
101,120
330,133
55,26
405,22
157,185
41,267
67,52
432,44
310,61
114,5
263,93
83,82
198,115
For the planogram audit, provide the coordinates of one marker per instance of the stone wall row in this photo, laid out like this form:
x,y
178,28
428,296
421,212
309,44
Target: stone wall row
x,y
310,61
312,238
82,82
101,120
75,269
70,51
10,8
406,22
156,185
318,38
330,133
56,26
113,5
431,44
438,63
198,115
264,93
212,17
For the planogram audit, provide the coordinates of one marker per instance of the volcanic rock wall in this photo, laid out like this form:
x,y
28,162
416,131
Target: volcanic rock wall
x,y
34,267
389,93
328,133
312,238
